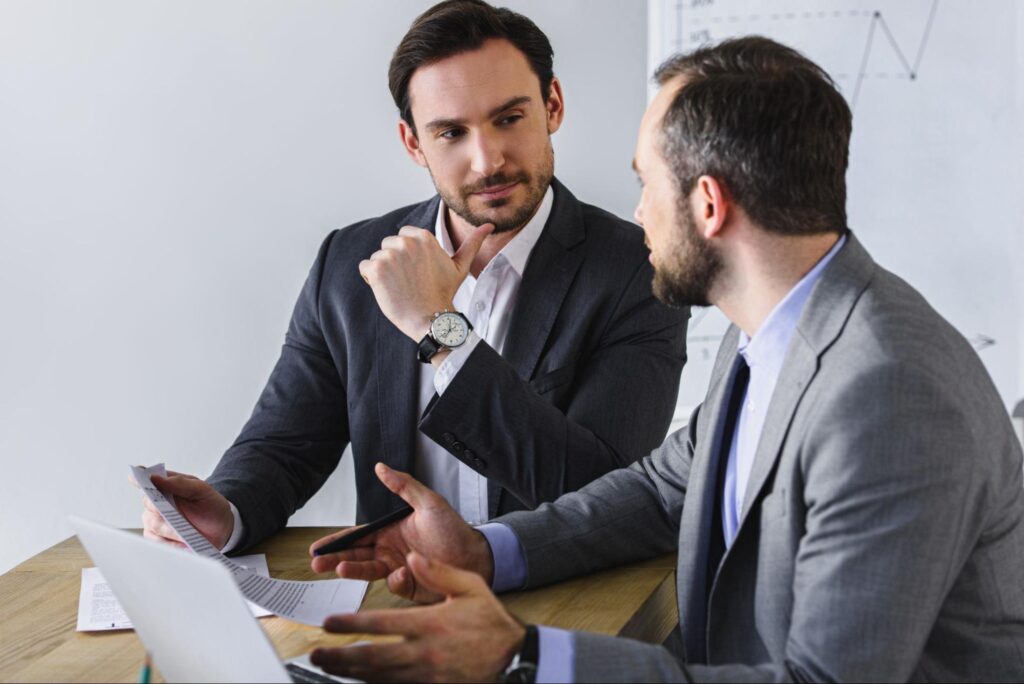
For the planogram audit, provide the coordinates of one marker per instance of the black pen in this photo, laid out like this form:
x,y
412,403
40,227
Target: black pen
x,y
344,542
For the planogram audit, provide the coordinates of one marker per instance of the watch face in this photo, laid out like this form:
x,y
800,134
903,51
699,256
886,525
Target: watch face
x,y
449,329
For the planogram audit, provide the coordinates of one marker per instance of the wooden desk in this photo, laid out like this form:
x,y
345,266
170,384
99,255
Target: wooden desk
x,y
39,608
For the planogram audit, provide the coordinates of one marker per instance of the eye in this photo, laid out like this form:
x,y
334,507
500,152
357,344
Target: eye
x,y
510,119
451,134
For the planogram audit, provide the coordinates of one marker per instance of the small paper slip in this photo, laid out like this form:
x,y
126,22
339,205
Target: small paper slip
x,y
99,611
307,602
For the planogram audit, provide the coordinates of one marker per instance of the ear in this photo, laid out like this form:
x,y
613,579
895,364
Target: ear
x,y
555,105
711,206
411,143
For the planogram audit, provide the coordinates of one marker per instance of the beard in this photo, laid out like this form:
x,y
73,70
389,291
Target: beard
x,y
536,184
691,270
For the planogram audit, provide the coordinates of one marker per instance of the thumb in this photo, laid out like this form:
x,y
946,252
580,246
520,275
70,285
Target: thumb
x,y
467,251
442,578
404,485
180,485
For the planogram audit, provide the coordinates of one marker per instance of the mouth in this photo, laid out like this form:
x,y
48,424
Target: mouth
x,y
496,192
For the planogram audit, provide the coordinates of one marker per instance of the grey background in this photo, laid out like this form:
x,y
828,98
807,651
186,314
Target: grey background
x,y
168,169
167,172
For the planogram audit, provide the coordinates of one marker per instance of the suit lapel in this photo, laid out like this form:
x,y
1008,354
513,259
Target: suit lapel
x,y
549,274
398,370
821,322
546,281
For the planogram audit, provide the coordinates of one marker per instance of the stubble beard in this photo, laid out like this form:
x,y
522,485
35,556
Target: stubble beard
x,y
686,278
535,183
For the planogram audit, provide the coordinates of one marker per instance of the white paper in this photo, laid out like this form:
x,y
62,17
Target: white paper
x,y
307,602
99,611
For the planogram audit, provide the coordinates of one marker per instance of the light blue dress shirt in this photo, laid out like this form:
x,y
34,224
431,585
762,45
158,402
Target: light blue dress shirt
x,y
765,353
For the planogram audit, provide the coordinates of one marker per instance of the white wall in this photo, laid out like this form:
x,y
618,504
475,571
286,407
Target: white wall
x,y
167,171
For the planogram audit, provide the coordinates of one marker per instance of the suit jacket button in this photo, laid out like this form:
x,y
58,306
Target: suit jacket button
x,y
458,447
479,462
448,438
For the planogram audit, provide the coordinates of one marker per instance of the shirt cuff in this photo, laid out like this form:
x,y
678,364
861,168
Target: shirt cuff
x,y
509,557
454,363
236,531
557,655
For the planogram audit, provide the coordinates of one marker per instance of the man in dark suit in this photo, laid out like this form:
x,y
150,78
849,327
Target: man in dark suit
x,y
547,360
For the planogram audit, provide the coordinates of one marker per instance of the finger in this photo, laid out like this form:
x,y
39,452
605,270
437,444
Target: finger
x,y
402,621
369,571
400,583
389,662
393,242
467,251
364,270
156,538
156,524
179,485
323,541
404,485
443,578
415,232
330,562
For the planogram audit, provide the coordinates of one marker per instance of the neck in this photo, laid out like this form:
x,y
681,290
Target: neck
x,y
762,270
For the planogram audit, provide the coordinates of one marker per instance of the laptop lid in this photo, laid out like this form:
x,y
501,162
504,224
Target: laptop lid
x,y
186,609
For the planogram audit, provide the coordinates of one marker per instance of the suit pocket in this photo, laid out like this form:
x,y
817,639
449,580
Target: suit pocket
x,y
553,380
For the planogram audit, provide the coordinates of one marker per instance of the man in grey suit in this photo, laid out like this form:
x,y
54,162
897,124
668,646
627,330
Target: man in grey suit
x,y
529,310
847,504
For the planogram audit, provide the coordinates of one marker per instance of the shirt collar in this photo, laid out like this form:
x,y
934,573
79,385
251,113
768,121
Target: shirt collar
x,y
517,251
767,348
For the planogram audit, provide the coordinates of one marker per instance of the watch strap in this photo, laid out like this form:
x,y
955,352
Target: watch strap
x,y
523,668
427,348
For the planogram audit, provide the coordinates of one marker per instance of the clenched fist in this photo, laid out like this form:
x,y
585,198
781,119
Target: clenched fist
x,y
413,278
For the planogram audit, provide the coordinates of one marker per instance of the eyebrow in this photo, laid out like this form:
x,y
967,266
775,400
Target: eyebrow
x,y
446,123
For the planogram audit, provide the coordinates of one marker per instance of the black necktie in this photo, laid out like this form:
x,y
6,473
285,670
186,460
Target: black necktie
x,y
696,646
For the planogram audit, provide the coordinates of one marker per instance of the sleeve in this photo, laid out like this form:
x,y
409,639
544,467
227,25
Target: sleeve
x,y
618,408
557,653
295,437
629,515
236,531
507,554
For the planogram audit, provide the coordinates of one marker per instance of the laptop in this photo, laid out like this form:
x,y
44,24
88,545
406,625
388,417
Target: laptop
x,y
188,612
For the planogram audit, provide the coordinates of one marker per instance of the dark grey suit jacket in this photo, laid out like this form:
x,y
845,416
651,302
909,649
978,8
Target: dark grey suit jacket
x,y
587,381
882,532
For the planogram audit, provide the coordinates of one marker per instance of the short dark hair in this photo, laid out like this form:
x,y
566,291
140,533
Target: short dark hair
x,y
455,26
768,123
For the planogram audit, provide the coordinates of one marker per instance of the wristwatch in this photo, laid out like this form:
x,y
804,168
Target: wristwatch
x,y
448,330
523,668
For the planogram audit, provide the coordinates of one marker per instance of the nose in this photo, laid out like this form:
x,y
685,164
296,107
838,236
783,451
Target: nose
x,y
638,214
488,156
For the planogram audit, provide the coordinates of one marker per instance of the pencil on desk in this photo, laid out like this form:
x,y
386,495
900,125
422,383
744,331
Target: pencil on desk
x,y
145,671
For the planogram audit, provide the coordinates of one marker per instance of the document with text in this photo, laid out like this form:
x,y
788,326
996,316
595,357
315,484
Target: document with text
x,y
99,611
308,602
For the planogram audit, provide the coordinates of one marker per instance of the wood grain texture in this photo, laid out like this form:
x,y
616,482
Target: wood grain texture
x,y
39,608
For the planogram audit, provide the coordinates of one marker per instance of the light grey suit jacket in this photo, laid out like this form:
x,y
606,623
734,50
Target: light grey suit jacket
x,y
882,536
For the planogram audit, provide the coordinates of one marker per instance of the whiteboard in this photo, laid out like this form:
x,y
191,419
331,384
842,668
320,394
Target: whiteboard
x,y
934,185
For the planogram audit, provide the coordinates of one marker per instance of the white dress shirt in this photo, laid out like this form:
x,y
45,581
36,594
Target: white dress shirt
x,y
488,302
